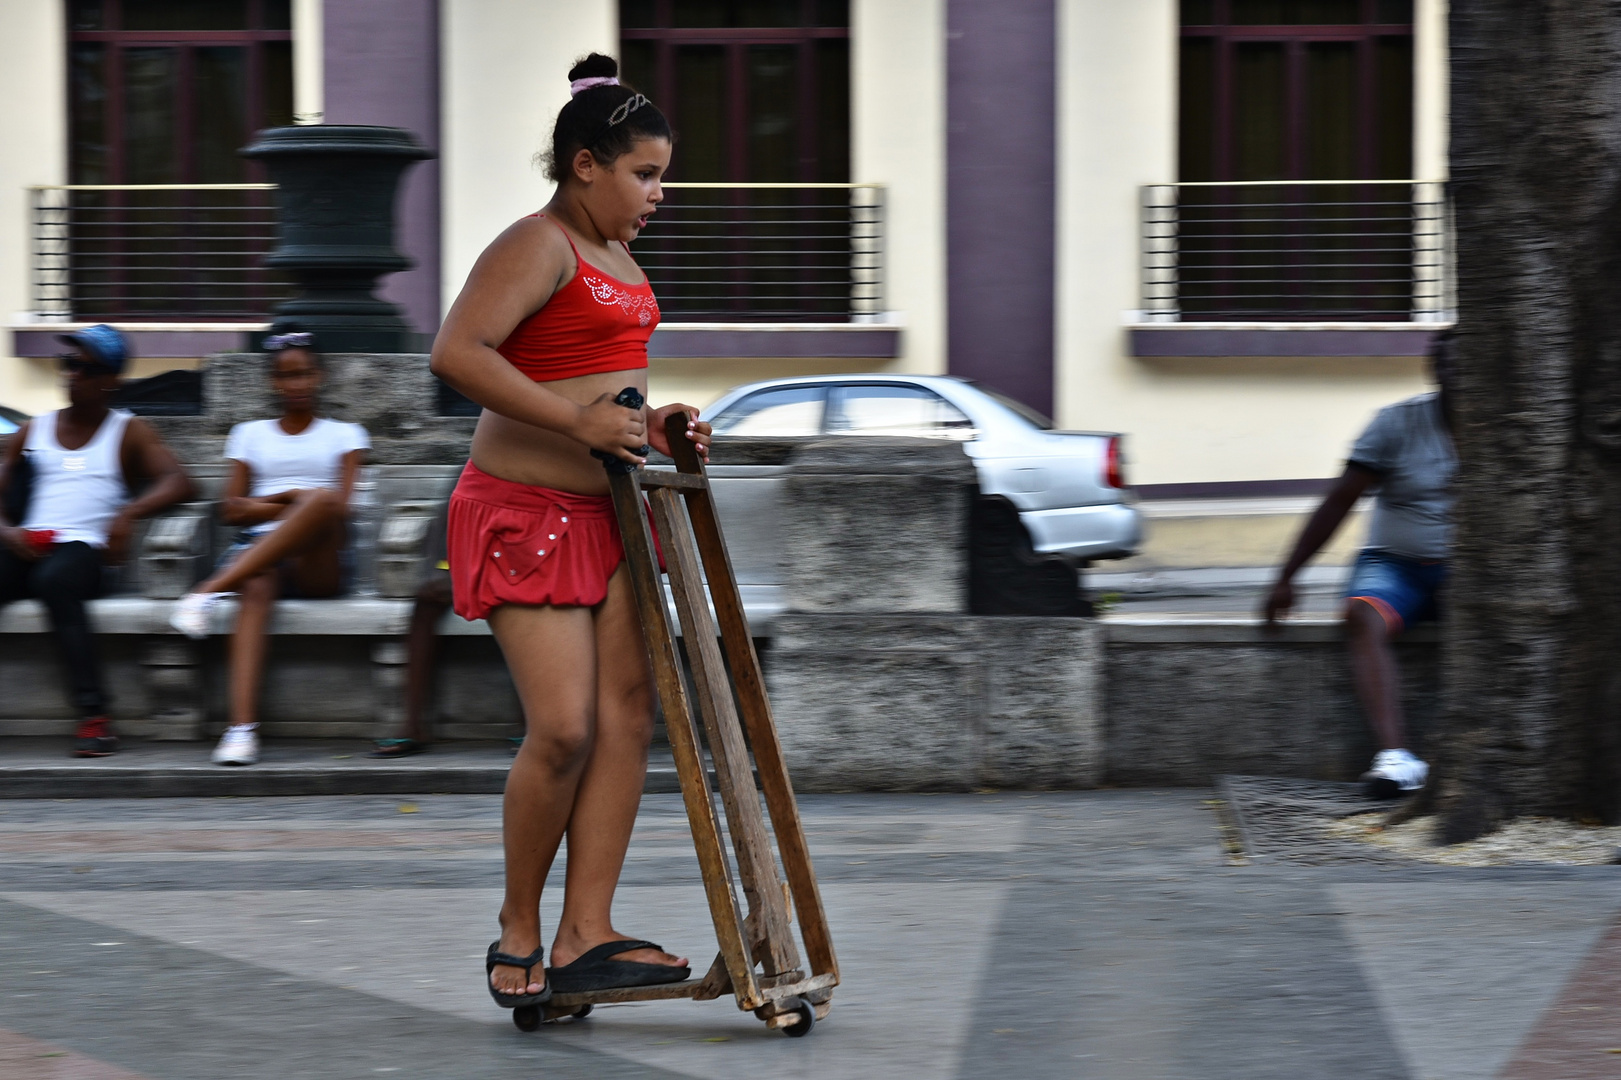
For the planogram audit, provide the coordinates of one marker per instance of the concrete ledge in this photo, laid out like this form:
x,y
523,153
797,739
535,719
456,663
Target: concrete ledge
x,y
927,702
350,616
832,341
921,701
177,340
1281,339
1238,629
1188,700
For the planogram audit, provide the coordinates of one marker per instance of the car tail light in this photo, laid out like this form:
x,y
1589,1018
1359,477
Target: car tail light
x,y
1114,466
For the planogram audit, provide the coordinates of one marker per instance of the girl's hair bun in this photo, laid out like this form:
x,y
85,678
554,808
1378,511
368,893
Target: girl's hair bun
x,y
594,66
603,115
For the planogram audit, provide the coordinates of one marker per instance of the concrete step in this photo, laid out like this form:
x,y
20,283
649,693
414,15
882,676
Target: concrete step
x,y
42,769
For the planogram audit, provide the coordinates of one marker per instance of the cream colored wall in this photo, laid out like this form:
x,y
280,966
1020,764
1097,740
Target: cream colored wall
x,y
898,138
1187,420
33,132
309,87
1431,90
504,67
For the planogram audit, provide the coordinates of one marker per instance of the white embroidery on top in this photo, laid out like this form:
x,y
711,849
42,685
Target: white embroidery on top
x,y
644,307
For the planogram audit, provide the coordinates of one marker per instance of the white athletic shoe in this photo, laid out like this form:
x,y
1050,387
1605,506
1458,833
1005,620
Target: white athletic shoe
x,y
1393,773
238,746
193,614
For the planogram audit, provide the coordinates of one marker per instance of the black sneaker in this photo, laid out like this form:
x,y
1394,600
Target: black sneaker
x,y
95,739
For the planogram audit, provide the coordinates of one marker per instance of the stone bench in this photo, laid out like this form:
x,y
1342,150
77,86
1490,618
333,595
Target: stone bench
x,y
393,506
166,687
901,702
336,668
1187,699
856,559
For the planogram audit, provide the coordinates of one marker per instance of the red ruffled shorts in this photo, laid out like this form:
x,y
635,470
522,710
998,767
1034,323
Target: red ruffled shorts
x,y
511,543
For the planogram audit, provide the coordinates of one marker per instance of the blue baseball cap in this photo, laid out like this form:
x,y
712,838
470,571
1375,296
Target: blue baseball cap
x,y
102,344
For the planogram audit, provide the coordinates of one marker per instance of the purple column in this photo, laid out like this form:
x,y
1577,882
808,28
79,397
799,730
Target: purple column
x,y
381,66
1000,159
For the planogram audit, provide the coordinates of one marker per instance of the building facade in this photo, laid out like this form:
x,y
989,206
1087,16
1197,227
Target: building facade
x,y
1214,225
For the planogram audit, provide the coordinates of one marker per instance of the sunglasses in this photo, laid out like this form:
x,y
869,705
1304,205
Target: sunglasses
x,y
78,365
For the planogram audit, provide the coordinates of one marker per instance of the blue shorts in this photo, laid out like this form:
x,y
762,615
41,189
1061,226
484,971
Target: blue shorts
x,y
246,538
1405,591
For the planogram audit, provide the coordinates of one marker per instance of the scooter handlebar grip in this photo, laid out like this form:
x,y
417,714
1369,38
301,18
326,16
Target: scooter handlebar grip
x,y
630,398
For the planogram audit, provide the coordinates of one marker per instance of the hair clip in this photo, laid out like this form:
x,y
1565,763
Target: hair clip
x,y
278,342
632,103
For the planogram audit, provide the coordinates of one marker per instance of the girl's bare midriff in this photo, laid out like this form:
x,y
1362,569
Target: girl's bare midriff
x,y
526,454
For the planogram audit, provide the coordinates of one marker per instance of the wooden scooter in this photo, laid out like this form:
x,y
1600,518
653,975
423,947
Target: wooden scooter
x,y
759,962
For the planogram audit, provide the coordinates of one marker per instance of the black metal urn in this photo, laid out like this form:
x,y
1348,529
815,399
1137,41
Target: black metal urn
x,y
335,192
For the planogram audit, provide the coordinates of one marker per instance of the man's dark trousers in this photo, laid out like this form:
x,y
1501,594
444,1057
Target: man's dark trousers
x,y
64,579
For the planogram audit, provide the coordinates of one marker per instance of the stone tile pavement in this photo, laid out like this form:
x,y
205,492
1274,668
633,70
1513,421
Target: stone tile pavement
x,y
1100,934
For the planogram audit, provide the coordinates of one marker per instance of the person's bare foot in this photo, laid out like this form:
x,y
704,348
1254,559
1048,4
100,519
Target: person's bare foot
x,y
506,979
568,947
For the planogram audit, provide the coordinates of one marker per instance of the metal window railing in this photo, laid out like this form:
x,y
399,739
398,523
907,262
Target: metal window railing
x,y
159,252
766,252
1352,250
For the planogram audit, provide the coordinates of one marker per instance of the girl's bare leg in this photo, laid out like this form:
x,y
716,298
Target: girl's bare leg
x,y
313,514
610,787
248,644
552,657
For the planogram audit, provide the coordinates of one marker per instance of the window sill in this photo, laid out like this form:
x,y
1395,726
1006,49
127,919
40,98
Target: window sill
x,y
671,341
710,340
171,340
1260,339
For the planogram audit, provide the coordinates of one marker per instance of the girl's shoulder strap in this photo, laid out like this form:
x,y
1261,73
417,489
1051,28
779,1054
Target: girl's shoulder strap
x,y
564,231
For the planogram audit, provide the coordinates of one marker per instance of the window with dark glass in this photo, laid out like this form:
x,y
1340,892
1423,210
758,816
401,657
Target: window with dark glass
x,y
758,92
165,92
1295,90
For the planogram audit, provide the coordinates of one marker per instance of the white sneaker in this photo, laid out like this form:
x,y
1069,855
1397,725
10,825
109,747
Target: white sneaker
x,y
1393,773
193,614
238,746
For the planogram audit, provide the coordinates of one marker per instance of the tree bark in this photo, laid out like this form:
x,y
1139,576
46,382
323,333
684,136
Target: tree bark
x,y
1532,722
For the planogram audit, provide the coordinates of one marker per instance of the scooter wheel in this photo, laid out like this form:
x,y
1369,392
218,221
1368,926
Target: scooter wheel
x,y
526,1017
807,1020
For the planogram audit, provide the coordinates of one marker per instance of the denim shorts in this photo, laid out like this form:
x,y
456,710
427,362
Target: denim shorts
x,y
246,538
1403,590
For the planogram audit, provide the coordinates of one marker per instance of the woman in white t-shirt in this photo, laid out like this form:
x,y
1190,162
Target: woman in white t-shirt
x,y
289,490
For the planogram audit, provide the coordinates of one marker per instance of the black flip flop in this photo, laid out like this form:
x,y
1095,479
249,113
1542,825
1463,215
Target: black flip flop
x,y
387,748
594,971
528,963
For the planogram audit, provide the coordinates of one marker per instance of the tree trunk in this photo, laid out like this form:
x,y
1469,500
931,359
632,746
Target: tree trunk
x,y
1532,721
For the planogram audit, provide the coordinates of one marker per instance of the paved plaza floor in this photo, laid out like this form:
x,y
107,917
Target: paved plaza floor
x,y
1101,934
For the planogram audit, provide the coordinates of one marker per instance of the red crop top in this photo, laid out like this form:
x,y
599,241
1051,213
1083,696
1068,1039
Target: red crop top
x,y
594,323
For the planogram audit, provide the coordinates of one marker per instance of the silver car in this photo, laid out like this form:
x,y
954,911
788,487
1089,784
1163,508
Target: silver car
x,y
1069,487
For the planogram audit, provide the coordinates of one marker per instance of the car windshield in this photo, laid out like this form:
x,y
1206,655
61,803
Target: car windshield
x,y
1024,411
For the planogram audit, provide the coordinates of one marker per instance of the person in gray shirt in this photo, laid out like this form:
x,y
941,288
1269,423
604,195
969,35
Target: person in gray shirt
x,y
1406,458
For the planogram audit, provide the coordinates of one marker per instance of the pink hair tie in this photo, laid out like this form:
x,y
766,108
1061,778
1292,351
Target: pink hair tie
x,y
585,84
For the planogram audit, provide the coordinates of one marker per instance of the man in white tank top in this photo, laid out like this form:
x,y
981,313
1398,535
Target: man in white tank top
x,y
82,462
